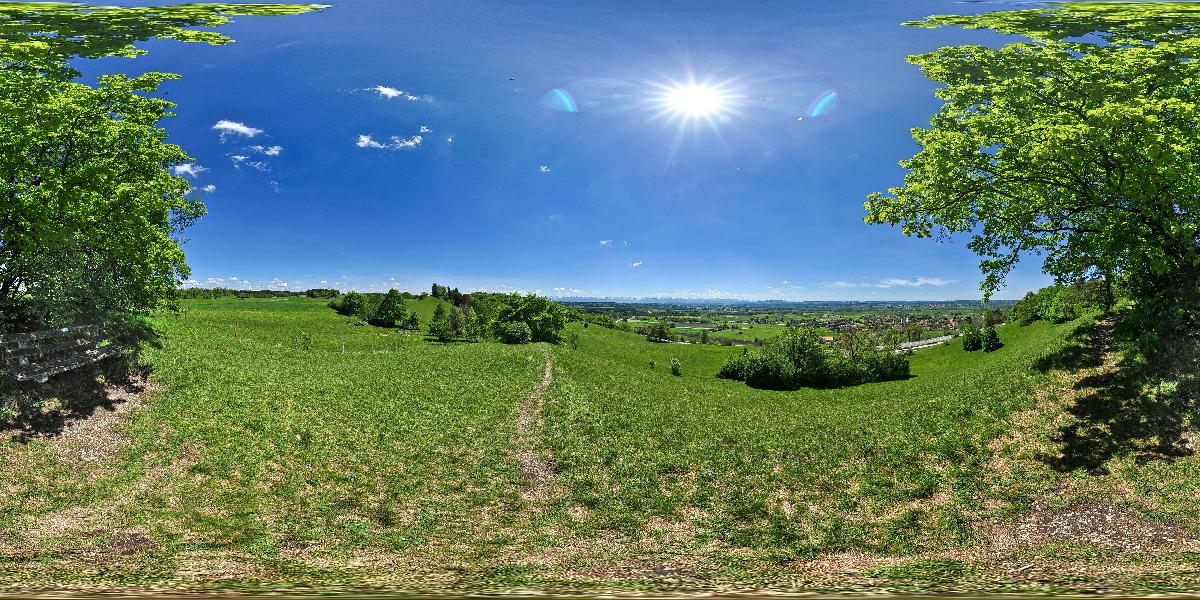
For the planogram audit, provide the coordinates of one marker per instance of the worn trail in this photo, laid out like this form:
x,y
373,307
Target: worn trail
x,y
536,468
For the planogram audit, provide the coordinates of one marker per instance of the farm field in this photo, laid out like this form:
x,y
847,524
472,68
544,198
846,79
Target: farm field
x,y
280,445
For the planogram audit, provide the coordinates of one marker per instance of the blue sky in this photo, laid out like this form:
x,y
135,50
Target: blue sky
x,y
382,143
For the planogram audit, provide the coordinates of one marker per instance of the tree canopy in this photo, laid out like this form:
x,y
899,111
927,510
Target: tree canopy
x,y
1079,144
90,213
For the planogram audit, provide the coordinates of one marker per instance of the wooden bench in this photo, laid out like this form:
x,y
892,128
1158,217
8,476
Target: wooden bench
x,y
40,355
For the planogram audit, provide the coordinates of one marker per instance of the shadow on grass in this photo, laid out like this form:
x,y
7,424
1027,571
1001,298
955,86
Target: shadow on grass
x,y
1115,415
30,410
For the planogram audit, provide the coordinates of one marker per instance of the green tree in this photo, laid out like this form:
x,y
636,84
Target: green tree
x,y
89,212
456,322
475,327
413,322
1081,147
991,339
972,338
439,325
356,305
391,311
659,331
544,317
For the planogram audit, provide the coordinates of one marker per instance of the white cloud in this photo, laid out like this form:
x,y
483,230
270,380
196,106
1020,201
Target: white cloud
x,y
275,186
450,140
189,169
889,282
210,188
918,282
397,142
425,129
259,165
402,143
228,128
626,243
237,158
391,92
366,141
635,264
606,243
544,169
268,150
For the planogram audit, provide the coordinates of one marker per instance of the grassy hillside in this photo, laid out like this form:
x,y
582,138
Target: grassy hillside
x,y
284,446
891,467
424,309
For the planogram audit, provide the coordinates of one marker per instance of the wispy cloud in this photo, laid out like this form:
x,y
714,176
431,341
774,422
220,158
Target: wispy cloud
x,y
228,128
189,169
544,169
396,143
635,264
391,92
268,150
889,282
606,243
401,143
237,159
918,282
259,165
210,188
424,129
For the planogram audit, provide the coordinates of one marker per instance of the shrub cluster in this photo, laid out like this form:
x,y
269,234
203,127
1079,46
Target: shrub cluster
x,y
797,358
383,310
986,339
511,318
514,332
1061,303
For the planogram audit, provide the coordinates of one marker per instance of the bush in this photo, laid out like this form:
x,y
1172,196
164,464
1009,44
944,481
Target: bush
x,y
1061,303
675,369
797,358
972,338
734,368
573,339
544,319
768,371
413,322
354,304
991,340
659,331
514,332
652,363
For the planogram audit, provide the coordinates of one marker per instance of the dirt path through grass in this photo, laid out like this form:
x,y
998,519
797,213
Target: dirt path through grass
x,y
537,468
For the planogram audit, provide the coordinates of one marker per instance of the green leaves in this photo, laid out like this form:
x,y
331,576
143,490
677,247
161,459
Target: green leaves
x,y
44,35
1080,145
89,212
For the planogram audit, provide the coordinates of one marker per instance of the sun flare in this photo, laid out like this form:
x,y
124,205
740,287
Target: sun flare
x,y
695,100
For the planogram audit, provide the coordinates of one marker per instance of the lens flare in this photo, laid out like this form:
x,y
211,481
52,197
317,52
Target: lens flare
x,y
561,100
823,104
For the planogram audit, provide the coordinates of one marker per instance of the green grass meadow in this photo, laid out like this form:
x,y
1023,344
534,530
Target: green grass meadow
x,y
283,446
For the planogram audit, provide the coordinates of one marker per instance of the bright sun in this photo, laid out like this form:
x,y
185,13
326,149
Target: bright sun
x,y
695,100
